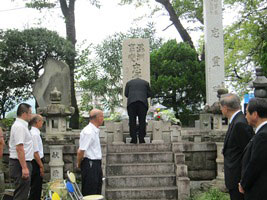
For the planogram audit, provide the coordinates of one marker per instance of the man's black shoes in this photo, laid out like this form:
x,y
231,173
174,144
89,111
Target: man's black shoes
x,y
133,141
141,141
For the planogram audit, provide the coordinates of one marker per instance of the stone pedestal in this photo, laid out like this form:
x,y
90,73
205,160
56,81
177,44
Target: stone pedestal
x,y
157,132
175,133
2,178
219,161
56,162
118,133
205,121
183,184
217,122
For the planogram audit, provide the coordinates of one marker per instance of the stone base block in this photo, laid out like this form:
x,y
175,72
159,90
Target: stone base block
x,y
183,184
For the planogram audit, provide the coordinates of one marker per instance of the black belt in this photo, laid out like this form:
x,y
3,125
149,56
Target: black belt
x,y
93,160
15,159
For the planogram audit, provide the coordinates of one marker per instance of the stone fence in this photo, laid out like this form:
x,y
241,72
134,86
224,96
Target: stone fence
x,y
199,149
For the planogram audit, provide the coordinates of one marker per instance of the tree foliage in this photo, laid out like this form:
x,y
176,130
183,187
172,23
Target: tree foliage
x,y
103,77
68,11
245,43
178,78
22,56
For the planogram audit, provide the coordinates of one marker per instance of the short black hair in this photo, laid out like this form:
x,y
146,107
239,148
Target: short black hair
x,y
258,105
23,108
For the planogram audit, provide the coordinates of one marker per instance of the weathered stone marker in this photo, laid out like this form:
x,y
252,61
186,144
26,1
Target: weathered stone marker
x,y
214,52
135,61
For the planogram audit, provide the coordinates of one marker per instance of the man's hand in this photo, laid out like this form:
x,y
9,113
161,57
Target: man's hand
x,y
25,173
78,165
42,171
241,190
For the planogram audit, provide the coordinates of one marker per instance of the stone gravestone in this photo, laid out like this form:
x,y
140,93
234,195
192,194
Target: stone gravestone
x,y
135,61
56,74
214,52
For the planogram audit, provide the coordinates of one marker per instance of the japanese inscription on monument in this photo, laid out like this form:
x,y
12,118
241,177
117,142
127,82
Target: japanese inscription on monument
x,y
135,61
214,53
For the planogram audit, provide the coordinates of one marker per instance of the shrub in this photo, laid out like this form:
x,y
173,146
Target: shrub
x,y
211,194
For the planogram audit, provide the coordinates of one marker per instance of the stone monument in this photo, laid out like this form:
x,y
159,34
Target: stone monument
x,y
214,52
135,61
56,128
56,74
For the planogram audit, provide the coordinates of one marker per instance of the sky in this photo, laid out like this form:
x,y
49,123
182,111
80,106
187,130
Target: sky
x,y
92,24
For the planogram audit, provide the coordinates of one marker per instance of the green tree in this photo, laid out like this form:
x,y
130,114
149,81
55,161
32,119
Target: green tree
x,y
22,56
245,43
68,11
178,78
103,77
191,10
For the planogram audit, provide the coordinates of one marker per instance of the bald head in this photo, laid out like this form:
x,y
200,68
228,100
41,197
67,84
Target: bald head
x,y
96,117
36,121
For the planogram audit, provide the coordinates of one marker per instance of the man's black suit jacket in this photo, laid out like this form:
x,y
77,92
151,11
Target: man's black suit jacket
x,y
137,90
254,166
237,137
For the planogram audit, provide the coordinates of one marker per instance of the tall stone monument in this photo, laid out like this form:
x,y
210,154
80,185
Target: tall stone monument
x,y
56,74
135,61
214,52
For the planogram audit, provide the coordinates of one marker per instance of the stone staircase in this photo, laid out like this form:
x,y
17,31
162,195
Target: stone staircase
x,y
142,171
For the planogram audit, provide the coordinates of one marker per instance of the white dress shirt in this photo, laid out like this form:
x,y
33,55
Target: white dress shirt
x,y
90,142
259,127
37,141
20,134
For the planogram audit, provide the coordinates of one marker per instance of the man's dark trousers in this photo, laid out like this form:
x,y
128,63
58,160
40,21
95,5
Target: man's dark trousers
x,y
137,109
36,182
22,186
235,194
91,172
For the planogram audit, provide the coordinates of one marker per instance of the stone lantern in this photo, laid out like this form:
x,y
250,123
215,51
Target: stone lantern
x,y
56,129
56,113
260,84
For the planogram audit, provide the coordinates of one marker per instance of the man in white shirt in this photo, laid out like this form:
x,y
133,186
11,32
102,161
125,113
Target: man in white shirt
x,y
89,155
254,169
36,123
21,152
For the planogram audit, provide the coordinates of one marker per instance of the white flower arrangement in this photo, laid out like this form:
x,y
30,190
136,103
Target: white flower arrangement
x,y
118,115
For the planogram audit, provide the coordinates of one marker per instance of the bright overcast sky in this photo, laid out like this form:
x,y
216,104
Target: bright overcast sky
x,y
92,24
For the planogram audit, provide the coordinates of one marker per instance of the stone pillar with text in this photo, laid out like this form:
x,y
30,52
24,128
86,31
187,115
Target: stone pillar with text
x,y
135,61
214,51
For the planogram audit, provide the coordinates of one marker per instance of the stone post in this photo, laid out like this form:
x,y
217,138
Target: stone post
x,y
205,121
56,162
2,178
219,161
183,184
118,133
214,52
157,132
217,122
175,133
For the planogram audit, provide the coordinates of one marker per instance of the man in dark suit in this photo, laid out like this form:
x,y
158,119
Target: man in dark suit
x,y
137,91
237,137
254,164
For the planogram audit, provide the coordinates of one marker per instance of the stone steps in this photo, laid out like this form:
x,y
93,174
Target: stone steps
x,y
140,169
130,148
135,181
142,193
140,157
